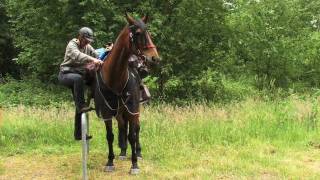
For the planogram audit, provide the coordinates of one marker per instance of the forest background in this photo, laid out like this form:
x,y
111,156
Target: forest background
x,y
212,51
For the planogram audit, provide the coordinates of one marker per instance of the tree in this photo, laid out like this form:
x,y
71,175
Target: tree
x,y
7,51
42,29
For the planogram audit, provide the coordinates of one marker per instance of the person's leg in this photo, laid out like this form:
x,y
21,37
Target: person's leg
x,y
145,95
76,83
77,126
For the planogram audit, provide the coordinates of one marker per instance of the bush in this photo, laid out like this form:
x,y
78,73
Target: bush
x,y
32,92
238,89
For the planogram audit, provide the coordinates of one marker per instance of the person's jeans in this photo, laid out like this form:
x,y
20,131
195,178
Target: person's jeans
x,y
76,83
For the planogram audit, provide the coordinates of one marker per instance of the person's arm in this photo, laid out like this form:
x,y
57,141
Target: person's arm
x,y
76,56
92,51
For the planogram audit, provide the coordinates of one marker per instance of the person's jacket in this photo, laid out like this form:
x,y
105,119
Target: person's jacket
x,y
76,59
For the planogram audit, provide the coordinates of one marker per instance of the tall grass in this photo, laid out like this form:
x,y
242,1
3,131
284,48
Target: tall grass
x,y
252,138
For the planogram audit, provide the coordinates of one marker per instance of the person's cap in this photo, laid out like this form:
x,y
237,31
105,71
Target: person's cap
x,y
87,33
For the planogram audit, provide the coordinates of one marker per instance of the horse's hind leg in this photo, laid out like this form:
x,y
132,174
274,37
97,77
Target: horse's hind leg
x,y
123,143
110,166
122,138
138,143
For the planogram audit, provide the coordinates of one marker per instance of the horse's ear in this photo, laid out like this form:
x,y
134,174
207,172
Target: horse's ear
x,y
145,19
129,19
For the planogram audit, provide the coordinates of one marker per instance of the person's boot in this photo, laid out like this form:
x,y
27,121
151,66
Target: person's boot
x,y
78,138
77,128
145,95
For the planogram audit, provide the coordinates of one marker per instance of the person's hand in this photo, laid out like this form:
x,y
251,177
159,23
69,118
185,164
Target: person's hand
x,y
97,62
109,47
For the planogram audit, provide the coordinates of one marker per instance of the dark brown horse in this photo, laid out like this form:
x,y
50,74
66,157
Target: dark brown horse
x,y
117,87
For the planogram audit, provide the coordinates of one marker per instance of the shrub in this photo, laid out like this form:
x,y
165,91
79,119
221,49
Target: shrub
x,y
32,92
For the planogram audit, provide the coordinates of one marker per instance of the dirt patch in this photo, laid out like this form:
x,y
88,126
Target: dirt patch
x,y
65,167
29,168
312,164
268,175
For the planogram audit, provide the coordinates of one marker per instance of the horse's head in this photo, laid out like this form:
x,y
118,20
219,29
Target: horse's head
x,y
141,42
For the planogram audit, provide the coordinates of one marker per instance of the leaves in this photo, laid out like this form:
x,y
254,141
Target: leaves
x,y
275,43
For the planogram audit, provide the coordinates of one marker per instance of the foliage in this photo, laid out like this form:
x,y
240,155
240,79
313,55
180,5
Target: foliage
x,y
32,93
274,44
194,49
42,29
277,41
7,51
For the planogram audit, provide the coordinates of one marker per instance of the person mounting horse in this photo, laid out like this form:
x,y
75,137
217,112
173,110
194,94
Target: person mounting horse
x,y
117,86
74,72
80,61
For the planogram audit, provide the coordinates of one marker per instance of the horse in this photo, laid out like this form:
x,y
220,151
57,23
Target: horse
x,y
116,88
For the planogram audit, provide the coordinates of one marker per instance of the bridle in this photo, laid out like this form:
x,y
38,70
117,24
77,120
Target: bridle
x,y
139,42
134,42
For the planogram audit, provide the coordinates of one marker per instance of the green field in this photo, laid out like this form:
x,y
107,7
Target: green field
x,y
245,140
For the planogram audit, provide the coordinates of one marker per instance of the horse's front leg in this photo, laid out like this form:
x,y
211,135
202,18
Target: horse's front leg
x,y
122,138
134,126
110,137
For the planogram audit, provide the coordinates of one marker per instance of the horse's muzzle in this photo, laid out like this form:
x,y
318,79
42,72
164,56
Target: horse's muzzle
x,y
154,61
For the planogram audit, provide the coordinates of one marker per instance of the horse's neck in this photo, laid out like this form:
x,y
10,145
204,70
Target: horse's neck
x,y
115,68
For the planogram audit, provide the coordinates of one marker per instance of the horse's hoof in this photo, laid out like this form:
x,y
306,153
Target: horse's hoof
x,y
139,155
122,158
109,168
134,171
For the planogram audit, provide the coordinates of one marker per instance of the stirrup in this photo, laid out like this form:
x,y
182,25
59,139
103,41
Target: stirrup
x,y
86,109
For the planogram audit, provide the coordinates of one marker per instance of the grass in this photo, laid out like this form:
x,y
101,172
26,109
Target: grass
x,y
249,139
